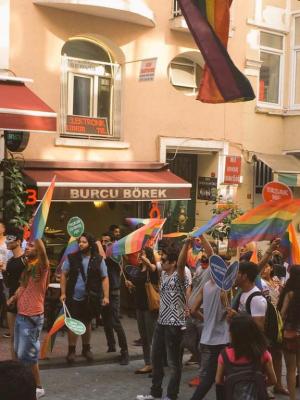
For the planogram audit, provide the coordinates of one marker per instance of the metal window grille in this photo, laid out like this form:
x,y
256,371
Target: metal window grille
x,y
263,174
176,9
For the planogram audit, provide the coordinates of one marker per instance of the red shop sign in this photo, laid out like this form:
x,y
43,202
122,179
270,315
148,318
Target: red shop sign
x,y
233,166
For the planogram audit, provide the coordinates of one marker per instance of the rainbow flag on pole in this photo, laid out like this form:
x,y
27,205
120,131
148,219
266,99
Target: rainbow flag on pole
x,y
289,246
133,222
175,234
208,22
41,214
265,222
216,219
49,340
71,248
136,240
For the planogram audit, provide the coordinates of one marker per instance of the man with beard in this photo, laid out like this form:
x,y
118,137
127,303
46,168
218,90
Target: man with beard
x,y
111,314
85,287
30,298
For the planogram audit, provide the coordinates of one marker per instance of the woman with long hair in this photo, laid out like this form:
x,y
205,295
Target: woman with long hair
x,y
146,319
248,347
289,307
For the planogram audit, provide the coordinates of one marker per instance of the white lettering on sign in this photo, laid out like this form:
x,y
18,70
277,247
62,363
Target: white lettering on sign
x,y
74,194
109,194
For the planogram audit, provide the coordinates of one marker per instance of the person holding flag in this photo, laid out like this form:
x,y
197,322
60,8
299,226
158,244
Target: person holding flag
x,y
30,298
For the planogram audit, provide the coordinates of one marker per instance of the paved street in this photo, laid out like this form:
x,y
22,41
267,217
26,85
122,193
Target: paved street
x,y
107,382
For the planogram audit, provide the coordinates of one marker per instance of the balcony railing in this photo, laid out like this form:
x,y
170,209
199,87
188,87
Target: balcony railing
x,y
176,9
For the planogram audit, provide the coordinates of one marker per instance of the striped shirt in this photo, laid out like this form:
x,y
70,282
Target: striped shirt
x,y
32,297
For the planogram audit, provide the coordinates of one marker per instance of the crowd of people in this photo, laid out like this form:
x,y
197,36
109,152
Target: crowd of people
x,y
239,338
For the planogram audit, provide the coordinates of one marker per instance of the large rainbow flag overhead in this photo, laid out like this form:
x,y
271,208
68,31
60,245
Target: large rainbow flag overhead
x,y
265,222
208,21
136,240
41,214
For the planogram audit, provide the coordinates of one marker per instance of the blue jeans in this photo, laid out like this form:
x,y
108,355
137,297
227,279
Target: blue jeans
x,y
208,369
169,338
27,337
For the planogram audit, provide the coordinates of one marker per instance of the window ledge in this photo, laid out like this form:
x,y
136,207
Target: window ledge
x,y
178,23
90,143
277,111
262,25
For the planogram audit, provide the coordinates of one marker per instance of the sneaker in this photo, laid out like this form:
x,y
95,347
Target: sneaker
x,y
147,369
40,392
138,342
124,360
6,335
88,355
71,357
193,360
270,394
194,382
146,397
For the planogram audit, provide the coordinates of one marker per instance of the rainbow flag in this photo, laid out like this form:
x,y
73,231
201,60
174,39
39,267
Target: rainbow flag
x,y
216,219
194,254
41,214
49,340
175,234
71,248
254,256
137,239
265,222
289,246
133,222
208,21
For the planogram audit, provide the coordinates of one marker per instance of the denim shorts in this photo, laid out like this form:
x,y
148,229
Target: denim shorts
x,y
27,337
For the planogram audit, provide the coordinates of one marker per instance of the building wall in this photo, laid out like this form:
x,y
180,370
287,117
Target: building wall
x,y
154,109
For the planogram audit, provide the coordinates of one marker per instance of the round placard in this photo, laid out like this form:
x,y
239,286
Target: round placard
x,y
75,227
75,326
273,191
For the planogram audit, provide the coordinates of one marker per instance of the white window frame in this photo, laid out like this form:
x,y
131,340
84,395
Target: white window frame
x,y
68,96
271,50
176,11
193,66
294,50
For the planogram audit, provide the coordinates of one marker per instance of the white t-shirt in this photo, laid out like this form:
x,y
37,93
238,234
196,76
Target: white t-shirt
x,y
188,275
258,304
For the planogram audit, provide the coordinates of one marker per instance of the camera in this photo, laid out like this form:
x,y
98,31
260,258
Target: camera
x,y
278,267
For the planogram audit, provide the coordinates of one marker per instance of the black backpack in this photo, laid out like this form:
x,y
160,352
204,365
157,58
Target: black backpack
x,y
273,323
243,381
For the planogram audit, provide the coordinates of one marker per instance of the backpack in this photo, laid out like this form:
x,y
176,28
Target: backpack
x,y
243,381
273,321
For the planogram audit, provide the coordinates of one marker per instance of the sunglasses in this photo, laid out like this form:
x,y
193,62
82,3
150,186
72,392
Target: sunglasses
x,y
10,238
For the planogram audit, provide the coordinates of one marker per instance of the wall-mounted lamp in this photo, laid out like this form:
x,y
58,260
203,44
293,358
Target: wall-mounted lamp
x,y
98,204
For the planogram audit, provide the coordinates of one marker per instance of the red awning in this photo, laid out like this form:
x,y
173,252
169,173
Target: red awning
x,y
21,109
110,185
